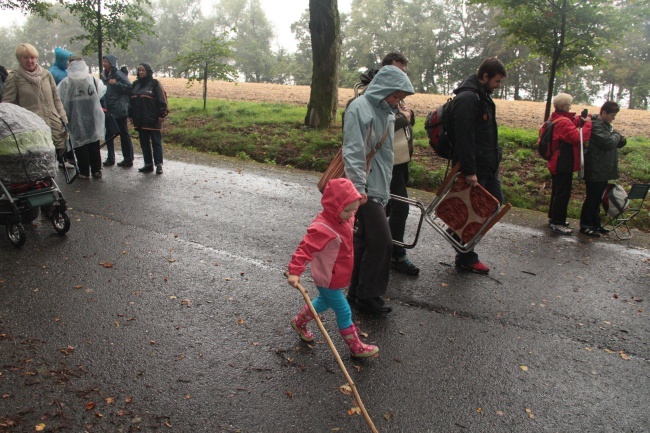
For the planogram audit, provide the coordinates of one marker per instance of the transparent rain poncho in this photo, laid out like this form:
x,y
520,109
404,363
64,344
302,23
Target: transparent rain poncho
x,y
80,94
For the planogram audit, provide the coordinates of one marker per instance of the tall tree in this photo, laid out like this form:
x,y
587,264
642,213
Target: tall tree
x,y
207,60
325,29
110,23
566,33
251,34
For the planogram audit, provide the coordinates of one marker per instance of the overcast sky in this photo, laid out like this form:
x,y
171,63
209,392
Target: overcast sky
x,y
281,14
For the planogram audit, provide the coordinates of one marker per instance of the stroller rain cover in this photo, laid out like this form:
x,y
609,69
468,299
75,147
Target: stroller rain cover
x,y
26,149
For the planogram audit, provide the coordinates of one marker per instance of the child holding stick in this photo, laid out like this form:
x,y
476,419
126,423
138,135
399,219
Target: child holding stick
x,y
328,247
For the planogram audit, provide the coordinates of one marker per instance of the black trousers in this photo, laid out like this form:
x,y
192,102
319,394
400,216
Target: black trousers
x,y
590,214
89,155
398,211
372,251
560,196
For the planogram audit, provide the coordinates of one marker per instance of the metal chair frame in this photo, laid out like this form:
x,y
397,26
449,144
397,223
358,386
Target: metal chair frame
x,y
428,214
619,224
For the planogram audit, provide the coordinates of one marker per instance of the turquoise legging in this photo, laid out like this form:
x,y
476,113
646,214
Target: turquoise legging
x,y
334,299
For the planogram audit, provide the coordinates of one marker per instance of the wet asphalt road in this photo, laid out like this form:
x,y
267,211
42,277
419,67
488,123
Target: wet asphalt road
x,y
164,309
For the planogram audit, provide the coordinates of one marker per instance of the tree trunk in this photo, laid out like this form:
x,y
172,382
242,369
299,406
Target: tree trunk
x,y
325,29
205,86
557,53
100,55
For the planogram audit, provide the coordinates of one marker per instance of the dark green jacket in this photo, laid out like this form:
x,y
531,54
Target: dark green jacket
x,y
601,159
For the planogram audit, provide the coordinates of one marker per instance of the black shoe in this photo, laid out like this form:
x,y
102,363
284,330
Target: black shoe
x,y
589,232
146,169
603,230
97,174
108,163
373,305
125,164
159,169
405,266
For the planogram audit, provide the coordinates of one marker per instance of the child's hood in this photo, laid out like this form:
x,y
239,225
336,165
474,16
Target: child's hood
x,y
337,195
61,56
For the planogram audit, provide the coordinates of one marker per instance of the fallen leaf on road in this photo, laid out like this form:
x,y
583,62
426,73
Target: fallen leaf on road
x,y
389,416
79,286
356,410
345,389
39,427
530,413
90,405
523,367
289,393
106,264
110,400
624,356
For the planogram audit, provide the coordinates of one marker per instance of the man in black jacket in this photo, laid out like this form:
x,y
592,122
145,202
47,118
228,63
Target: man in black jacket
x,y
117,102
475,137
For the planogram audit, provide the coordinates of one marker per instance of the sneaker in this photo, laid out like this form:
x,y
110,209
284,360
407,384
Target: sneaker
x,y
146,169
108,163
97,175
159,169
603,230
560,229
564,224
590,232
66,165
404,266
125,164
477,268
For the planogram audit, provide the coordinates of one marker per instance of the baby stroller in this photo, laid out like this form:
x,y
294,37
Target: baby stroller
x,y
27,169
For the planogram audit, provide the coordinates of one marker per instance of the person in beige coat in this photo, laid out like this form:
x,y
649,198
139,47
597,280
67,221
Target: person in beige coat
x,y
34,89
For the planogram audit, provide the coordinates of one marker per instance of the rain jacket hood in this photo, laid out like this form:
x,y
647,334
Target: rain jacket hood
x,y
367,118
112,60
60,66
61,57
388,80
337,195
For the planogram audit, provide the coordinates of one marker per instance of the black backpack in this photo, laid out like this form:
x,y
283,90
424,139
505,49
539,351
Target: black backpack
x,y
545,139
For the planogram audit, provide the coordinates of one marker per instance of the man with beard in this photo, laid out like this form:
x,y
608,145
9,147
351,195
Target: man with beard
x,y
475,138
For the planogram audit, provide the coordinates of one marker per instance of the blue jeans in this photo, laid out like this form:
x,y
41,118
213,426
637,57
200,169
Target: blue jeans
x,y
334,299
125,141
493,185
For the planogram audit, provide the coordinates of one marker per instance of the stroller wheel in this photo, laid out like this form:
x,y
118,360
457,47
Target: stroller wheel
x,y
16,234
60,221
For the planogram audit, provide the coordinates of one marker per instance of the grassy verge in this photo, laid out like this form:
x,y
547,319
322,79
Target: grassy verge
x,y
275,134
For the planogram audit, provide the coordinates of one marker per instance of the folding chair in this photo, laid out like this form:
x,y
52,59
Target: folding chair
x,y
460,213
618,220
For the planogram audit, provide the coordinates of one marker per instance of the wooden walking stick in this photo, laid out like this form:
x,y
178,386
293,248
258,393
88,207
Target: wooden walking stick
x,y
336,355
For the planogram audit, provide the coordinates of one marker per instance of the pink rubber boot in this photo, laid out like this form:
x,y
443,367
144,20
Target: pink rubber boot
x,y
299,323
357,348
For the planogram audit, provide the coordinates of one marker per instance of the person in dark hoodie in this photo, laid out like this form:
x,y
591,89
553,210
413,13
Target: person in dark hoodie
x,y
476,145
59,69
3,77
147,109
117,103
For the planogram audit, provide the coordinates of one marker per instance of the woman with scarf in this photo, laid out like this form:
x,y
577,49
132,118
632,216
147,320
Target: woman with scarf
x,y
147,109
34,89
